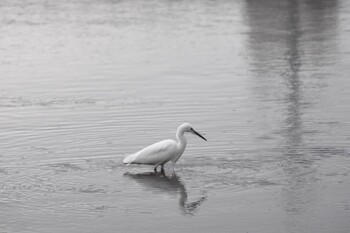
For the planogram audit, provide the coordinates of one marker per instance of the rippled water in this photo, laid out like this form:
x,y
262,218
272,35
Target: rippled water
x,y
84,83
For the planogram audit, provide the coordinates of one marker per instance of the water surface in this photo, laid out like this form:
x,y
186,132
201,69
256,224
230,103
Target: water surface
x,y
84,83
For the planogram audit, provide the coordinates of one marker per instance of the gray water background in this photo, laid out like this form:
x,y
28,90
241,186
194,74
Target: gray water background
x,y
84,83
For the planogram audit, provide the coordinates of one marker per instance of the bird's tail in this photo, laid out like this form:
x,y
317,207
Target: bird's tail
x,y
128,159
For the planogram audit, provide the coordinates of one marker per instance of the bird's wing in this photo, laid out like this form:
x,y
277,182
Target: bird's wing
x,y
157,153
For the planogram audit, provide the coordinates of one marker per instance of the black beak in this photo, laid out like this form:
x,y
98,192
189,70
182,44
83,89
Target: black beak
x,y
198,134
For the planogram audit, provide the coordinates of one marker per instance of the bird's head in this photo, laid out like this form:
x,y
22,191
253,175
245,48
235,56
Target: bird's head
x,y
187,127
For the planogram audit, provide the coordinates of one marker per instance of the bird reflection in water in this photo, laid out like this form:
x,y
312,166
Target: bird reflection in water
x,y
171,185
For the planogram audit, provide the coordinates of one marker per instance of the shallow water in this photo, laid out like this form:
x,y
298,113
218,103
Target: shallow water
x,y
84,83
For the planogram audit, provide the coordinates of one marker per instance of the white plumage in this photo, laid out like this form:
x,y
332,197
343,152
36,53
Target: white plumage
x,y
164,151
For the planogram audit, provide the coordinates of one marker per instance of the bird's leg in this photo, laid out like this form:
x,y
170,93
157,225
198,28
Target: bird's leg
x,y
162,169
155,168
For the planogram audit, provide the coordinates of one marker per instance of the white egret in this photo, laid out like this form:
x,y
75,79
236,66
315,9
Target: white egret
x,y
164,151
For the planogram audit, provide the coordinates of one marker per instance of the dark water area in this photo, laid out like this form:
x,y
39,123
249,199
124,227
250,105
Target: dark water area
x,y
84,83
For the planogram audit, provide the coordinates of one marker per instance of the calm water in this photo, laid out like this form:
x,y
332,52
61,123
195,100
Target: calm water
x,y
83,83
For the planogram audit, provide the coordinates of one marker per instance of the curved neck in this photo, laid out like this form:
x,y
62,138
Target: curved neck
x,y
181,140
